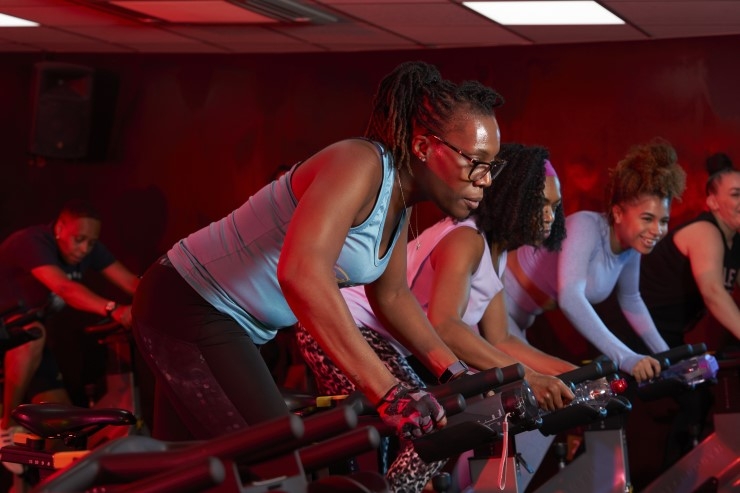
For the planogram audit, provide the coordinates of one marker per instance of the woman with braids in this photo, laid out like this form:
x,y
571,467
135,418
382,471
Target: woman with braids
x,y
603,251
454,270
337,219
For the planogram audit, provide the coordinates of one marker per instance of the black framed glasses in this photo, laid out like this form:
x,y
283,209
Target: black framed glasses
x,y
479,168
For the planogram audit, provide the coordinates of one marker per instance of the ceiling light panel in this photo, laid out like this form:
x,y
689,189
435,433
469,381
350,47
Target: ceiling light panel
x,y
544,13
10,21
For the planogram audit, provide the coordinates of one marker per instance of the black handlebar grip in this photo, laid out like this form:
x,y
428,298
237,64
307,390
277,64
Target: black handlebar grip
x,y
328,423
326,453
470,385
17,336
452,404
24,319
252,444
608,366
200,476
512,373
681,352
10,310
592,371
105,326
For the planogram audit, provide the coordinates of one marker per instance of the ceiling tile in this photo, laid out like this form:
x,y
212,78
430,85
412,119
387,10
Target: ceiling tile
x,y
685,13
401,15
447,36
86,26
336,35
583,34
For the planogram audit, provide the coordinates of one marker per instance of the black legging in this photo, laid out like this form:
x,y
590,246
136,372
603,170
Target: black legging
x,y
208,370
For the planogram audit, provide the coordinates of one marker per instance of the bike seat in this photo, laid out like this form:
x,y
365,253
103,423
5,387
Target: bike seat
x,y
51,420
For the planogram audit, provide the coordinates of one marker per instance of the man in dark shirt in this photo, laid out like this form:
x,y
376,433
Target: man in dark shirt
x,y
41,266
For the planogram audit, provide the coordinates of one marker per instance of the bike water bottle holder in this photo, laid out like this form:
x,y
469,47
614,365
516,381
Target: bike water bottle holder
x,y
597,390
482,422
680,377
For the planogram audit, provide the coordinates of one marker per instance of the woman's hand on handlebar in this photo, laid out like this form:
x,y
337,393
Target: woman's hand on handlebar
x,y
551,392
646,369
122,315
411,411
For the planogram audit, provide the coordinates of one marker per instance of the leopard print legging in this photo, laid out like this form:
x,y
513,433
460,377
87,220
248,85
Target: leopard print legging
x,y
408,473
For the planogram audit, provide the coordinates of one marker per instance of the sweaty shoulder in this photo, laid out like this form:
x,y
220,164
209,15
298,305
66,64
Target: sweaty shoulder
x,y
350,161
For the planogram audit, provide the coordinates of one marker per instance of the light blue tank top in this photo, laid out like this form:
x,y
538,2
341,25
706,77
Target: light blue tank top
x,y
485,283
232,263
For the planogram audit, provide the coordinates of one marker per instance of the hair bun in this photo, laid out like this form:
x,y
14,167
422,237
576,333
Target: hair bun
x,y
718,162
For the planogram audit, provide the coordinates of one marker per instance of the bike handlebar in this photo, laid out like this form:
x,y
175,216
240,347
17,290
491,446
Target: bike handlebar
x,y
592,371
274,438
678,353
479,383
191,478
104,327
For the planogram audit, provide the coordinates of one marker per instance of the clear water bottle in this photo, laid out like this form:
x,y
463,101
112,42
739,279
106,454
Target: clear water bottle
x,y
693,371
593,392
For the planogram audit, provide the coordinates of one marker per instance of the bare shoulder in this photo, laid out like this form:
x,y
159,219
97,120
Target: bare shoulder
x,y
462,243
346,154
464,235
699,234
350,161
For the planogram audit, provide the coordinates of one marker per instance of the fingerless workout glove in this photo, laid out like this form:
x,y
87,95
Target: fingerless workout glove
x,y
412,411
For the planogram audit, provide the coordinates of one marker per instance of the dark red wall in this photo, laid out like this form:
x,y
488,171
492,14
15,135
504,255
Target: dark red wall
x,y
193,136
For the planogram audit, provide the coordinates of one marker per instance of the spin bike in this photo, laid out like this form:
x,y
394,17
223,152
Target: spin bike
x,y
713,465
498,467
14,326
602,466
121,385
274,456
119,408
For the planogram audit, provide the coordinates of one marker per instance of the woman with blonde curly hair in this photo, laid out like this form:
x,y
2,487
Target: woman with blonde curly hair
x,y
602,251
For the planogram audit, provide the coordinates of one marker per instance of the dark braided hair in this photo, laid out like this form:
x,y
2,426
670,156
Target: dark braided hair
x,y
415,94
510,214
648,169
718,165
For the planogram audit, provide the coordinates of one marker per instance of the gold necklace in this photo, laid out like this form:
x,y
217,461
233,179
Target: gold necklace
x,y
415,234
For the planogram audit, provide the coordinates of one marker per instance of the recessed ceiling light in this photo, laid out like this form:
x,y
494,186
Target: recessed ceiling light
x,y
576,12
194,11
10,21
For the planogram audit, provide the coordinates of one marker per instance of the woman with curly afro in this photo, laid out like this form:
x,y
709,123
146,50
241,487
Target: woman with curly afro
x,y
603,251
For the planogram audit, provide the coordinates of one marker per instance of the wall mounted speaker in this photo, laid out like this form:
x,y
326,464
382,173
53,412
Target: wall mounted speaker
x,y
62,106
